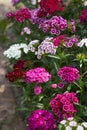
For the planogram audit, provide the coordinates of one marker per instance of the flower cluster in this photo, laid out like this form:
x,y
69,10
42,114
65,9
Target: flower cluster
x,y
63,105
50,7
18,71
68,74
15,51
46,47
41,120
38,75
54,25
83,17
14,1
71,124
22,14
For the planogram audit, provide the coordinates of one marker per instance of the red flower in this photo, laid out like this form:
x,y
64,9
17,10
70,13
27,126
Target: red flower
x,y
22,14
50,6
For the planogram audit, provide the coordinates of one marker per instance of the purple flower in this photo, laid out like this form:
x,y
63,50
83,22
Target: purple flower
x,y
60,85
41,120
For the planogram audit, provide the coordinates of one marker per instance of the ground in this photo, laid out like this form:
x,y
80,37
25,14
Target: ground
x,y
10,119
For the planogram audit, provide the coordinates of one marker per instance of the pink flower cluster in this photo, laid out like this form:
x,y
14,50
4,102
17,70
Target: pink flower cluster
x,y
70,41
83,17
41,120
54,25
63,105
38,75
68,74
22,14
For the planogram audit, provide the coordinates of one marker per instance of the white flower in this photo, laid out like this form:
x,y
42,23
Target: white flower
x,y
80,127
68,128
70,118
84,124
63,122
73,123
82,42
26,30
15,51
33,2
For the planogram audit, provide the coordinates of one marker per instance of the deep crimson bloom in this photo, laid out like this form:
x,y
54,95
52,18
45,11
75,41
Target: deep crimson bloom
x,y
22,14
50,6
10,76
19,64
63,105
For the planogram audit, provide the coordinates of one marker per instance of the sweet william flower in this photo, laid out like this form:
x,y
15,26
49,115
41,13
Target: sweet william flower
x,y
68,74
37,90
22,14
38,75
41,120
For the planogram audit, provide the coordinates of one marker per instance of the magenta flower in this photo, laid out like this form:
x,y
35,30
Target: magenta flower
x,y
68,74
37,90
22,14
60,85
9,15
63,105
41,120
38,75
83,17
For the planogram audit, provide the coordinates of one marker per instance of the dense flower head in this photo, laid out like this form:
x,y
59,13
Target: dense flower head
x,y
68,74
15,51
46,47
54,25
41,120
50,6
16,74
14,1
38,75
63,105
22,14
83,17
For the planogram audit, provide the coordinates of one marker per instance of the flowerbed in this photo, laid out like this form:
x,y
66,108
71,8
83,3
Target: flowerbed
x,y
49,63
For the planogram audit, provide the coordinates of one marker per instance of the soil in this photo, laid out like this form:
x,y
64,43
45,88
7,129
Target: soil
x,y
10,119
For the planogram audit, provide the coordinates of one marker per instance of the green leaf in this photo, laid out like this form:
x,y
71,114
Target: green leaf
x,y
55,57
